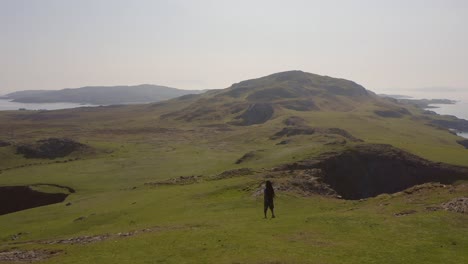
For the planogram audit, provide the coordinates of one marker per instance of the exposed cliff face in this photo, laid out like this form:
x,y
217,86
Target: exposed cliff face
x,y
369,170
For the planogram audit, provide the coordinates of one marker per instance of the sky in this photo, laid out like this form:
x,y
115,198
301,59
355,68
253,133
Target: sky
x,y
386,46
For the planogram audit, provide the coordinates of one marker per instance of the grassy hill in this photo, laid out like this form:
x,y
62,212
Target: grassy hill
x,y
180,181
101,95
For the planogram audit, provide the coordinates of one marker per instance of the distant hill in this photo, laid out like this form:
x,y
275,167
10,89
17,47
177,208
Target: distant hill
x,y
101,95
256,101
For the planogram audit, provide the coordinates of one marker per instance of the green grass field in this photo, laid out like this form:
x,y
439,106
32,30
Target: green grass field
x,y
221,221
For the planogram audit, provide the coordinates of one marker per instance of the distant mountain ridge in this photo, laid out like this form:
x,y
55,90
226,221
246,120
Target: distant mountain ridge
x,y
101,95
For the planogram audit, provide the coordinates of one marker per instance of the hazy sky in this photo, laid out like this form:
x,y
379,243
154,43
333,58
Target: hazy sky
x,y
203,44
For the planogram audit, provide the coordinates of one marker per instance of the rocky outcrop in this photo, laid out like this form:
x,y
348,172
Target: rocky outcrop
x,y
233,173
257,113
27,256
458,205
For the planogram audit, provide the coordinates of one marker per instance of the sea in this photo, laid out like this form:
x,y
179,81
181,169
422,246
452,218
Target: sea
x,y
459,109
7,104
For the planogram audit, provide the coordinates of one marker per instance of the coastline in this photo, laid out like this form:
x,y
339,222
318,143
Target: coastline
x,y
459,109
8,105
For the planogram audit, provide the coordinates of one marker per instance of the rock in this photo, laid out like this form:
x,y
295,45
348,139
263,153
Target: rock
x,y
17,255
458,205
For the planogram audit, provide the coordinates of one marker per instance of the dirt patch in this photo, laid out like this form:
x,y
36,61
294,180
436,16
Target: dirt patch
x,y
303,182
49,148
16,255
182,180
17,198
458,205
78,240
258,113
306,183
405,212
372,169
234,173
464,143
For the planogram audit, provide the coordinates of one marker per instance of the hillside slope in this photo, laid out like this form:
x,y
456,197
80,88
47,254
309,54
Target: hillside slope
x,y
358,179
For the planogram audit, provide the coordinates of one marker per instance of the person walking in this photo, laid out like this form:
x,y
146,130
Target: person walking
x,y
268,196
